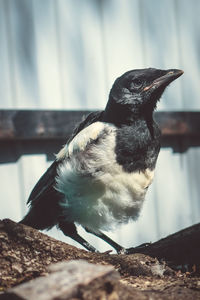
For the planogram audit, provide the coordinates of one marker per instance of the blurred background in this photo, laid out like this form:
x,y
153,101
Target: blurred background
x,y
65,54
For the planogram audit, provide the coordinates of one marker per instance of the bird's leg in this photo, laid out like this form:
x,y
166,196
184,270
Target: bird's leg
x,y
69,229
101,235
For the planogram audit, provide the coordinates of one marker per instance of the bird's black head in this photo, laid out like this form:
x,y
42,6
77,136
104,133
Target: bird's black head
x,y
137,92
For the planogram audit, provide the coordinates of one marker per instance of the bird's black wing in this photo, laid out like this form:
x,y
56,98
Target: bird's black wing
x,y
91,118
44,189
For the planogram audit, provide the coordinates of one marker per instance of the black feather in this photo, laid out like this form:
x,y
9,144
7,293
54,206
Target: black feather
x,y
44,199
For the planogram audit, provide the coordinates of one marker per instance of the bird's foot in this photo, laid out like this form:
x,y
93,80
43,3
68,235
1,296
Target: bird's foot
x,y
122,251
107,252
138,249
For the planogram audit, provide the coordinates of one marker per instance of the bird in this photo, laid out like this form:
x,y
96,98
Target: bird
x,y
100,177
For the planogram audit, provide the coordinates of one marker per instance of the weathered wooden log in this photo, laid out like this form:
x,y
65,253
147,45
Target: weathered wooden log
x,y
69,280
25,253
79,280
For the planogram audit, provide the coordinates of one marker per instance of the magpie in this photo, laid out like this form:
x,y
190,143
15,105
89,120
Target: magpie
x,y
99,179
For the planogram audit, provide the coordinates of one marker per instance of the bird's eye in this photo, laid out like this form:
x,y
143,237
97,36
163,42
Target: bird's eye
x,y
136,84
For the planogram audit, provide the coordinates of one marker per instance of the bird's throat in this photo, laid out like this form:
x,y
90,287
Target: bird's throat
x,y
120,114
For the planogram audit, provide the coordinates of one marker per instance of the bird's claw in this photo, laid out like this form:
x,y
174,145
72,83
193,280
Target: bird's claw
x,y
138,249
107,252
143,246
122,251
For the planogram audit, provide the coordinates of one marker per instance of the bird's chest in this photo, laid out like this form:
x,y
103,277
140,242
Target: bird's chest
x,y
98,189
136,148
126,190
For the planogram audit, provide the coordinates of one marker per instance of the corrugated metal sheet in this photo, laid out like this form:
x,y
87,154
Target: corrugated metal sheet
x,y
66,54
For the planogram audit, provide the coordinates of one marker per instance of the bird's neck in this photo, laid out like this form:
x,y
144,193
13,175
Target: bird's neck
x,y
124,114
118,113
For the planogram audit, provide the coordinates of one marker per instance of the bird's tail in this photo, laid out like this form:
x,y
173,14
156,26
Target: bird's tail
x,y
35,220
31,220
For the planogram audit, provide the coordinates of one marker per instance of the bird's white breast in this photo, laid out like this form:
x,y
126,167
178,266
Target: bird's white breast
x,y
98,193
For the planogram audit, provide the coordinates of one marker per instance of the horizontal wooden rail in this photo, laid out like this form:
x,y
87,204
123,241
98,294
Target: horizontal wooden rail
x,y
51,124
38,124
45,131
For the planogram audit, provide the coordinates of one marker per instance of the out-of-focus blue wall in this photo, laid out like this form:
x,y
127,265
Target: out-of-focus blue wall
x,y
66,54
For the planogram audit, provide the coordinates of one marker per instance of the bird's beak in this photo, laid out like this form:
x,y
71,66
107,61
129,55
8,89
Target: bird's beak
x,y
166,79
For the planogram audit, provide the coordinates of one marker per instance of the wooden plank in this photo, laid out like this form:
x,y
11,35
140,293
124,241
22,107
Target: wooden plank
x,y
25,125
48,66
22,56
37,125
188,24
126,44
163,26
6,74
179,123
